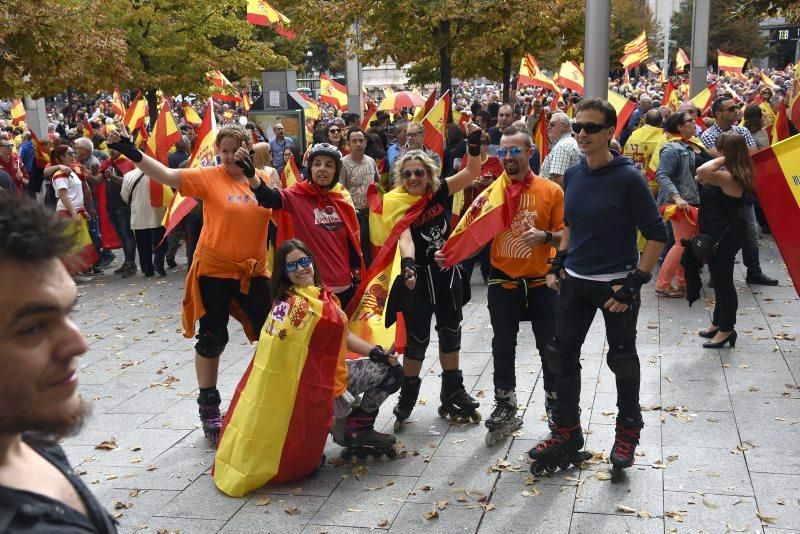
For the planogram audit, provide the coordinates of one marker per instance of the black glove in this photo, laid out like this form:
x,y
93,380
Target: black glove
x,y
631,285
126,147
246,165
378,355
557,262
474,143
407,263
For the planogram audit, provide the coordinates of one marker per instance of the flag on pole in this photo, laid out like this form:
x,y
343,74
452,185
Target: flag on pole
x,y
635,52
313,107
624,109
331,92
18,113
290,174
767,80
435,124
780,128
117,105
570,76
40,155
164,135
88,131
369,114
424,109
280,415
705,98
653,68
246,102
261,13
531,74
190,114
729,62
778,192
662,78
223,88
681,60
136,113
540,137
671,99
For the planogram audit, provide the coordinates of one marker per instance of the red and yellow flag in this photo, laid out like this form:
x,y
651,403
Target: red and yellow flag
x,y
655,159
435,124
331,92
40,154
117,105
653,68
290,174
491,212
635,52
247,103
82,254
767,80
369,115
190,114
423,110
671,99
279,418
570,76
705,98
223,88
729,62
261,13
681,60
313,107
531,74
88,131
780,128
778,191
18,113
136,113
794,106
540,137
164,135
624,107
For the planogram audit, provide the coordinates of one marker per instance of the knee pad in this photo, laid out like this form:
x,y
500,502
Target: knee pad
x,y
415,347
550,355
211,342
392,380
623,364
449,339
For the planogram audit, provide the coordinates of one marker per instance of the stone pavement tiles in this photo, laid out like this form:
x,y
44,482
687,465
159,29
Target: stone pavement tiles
x,y
720,451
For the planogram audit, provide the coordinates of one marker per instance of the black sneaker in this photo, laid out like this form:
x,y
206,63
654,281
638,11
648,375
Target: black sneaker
x,y
129,270
171,263
761,279
108,259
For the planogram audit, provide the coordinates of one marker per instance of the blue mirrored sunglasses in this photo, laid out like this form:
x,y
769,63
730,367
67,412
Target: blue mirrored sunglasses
x,y
292,266
514,151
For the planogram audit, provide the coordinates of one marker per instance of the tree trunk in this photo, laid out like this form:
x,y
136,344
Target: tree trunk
x,y
506,73
445,63
152,106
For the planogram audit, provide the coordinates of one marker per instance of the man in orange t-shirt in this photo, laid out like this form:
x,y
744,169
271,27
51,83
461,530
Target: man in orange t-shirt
x,y
517,290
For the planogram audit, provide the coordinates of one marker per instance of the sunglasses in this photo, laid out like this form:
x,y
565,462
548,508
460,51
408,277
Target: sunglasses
x,y
588,127
406,174
334,130
514,151
292,266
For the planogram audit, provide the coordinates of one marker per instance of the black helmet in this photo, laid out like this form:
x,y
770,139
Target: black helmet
x,y
325,149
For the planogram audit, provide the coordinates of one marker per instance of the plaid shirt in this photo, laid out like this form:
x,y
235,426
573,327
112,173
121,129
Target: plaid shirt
x,y
563,155
709,137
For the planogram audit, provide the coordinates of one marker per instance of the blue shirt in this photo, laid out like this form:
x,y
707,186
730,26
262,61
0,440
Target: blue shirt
x,y
26,154
277,148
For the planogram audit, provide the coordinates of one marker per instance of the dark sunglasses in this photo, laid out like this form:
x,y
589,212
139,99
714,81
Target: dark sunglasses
x,y
292,266
334,130
588,127
514,151
406,174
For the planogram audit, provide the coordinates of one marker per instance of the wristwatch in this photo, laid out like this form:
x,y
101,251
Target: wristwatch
x,y
548,236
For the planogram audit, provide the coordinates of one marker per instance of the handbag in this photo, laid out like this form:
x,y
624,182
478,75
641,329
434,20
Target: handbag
x,y
701,244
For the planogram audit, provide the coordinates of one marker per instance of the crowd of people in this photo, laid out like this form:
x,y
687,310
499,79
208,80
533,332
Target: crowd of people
x,y
556,239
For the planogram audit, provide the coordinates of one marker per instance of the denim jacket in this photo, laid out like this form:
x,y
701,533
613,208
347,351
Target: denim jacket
x,y
676,173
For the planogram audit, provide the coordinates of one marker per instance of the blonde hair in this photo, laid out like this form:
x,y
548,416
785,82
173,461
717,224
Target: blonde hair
x,y
430,167
262,156
231,130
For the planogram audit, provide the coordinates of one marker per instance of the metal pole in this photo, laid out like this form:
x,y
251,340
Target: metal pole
x,y
36,119
667,22
353,70
596,51
697,79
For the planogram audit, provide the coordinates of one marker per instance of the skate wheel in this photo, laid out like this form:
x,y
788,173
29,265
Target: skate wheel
x,y
398,424
551,467
391,453
537,469
475,417
490,439
361,454
564,463
443,412
346,454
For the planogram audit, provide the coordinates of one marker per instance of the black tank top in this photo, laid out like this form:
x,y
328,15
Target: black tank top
x,y
717,210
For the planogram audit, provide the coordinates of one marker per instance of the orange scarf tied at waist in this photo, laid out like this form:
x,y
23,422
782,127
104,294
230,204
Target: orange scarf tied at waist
x,y
207,263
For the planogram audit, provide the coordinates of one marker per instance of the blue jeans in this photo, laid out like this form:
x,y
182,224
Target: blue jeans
x,y
121,219
750,255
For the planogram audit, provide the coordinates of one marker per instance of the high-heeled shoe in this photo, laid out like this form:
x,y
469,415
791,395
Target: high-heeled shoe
x,y
708,334
730,339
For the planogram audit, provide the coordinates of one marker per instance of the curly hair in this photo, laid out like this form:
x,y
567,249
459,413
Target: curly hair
x,y
30,233
421,156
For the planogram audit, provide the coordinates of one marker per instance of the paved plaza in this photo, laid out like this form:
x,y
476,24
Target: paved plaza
x,y
720,450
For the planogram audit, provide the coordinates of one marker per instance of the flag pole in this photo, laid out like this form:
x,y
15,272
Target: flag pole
x,y
595,57
700,17
667,22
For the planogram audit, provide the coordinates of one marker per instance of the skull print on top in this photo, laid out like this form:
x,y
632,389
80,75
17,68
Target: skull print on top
x,y
432,227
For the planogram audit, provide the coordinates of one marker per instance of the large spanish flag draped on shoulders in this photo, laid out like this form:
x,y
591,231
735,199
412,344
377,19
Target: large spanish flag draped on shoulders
x,y
778,190
278,421
491,212
387,220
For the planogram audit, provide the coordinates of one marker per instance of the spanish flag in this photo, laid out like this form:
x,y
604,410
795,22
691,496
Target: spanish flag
x,y
767,81
729,62
435,124
492,211
423,110
570,76
164,135
370,110
278,421
635,52
331,92
82,254
778,191
624,107
313,107
246,102
261,13
671,99
136,114
531,74
540,137
40,155
117,105
18,113
224,89
291,174
653,68
705,98
670,212
88,131
681,60
794,106
190,114
780,128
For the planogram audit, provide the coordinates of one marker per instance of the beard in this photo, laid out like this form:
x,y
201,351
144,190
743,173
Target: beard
x,y
51,431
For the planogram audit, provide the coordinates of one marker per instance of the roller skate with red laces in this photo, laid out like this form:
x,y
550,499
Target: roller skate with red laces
x,y
561,450
623,452
359,438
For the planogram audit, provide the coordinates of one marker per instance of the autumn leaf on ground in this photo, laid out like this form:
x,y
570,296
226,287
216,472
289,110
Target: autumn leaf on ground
x,y
441,505
293,510
625,509
676,516
119,505
433,514
134,493
534,491
709,503
262,501
603,475
766,519
383,523
107,445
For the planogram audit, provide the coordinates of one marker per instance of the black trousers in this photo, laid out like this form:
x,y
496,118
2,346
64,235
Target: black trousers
x,y
507,309
577,305
147,242
720,265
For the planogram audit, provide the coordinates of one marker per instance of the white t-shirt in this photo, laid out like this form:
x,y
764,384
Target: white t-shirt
x,y
74,188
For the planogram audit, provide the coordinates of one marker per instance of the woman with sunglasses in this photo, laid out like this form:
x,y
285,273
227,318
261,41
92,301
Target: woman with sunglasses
x,y
300,376
431,290
677,186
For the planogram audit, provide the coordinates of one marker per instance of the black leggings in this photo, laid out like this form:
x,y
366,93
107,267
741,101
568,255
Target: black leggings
x,y
720,265
436,292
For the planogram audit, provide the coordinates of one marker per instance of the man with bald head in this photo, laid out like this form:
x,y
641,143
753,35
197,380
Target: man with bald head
x,y
278,146
564,151
644,141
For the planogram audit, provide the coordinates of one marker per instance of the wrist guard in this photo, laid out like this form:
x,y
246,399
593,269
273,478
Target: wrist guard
x,y
474,143
407,263
126,147
378,355
631,286
557,262
246,165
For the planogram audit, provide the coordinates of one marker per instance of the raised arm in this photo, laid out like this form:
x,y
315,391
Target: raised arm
x,y
712,173
465,176
120,141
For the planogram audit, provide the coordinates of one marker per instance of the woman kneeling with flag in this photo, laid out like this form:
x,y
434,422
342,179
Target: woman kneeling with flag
x,y
280,416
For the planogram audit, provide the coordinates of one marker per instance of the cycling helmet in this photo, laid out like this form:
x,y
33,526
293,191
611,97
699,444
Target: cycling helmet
x,y
325,149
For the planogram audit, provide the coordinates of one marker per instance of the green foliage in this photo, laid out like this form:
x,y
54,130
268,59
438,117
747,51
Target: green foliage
x,y
628,19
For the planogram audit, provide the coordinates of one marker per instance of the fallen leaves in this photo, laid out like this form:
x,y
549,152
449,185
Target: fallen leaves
x,y
107,445
534,491
675,516
603,475
625,509
383,523
294,510
766,519
709,503
262,501
433,514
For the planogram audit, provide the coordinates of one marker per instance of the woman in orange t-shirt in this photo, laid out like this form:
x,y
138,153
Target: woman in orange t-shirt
x,y
229,273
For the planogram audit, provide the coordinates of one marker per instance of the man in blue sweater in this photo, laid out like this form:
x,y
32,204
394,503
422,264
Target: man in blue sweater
x,y
598,267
